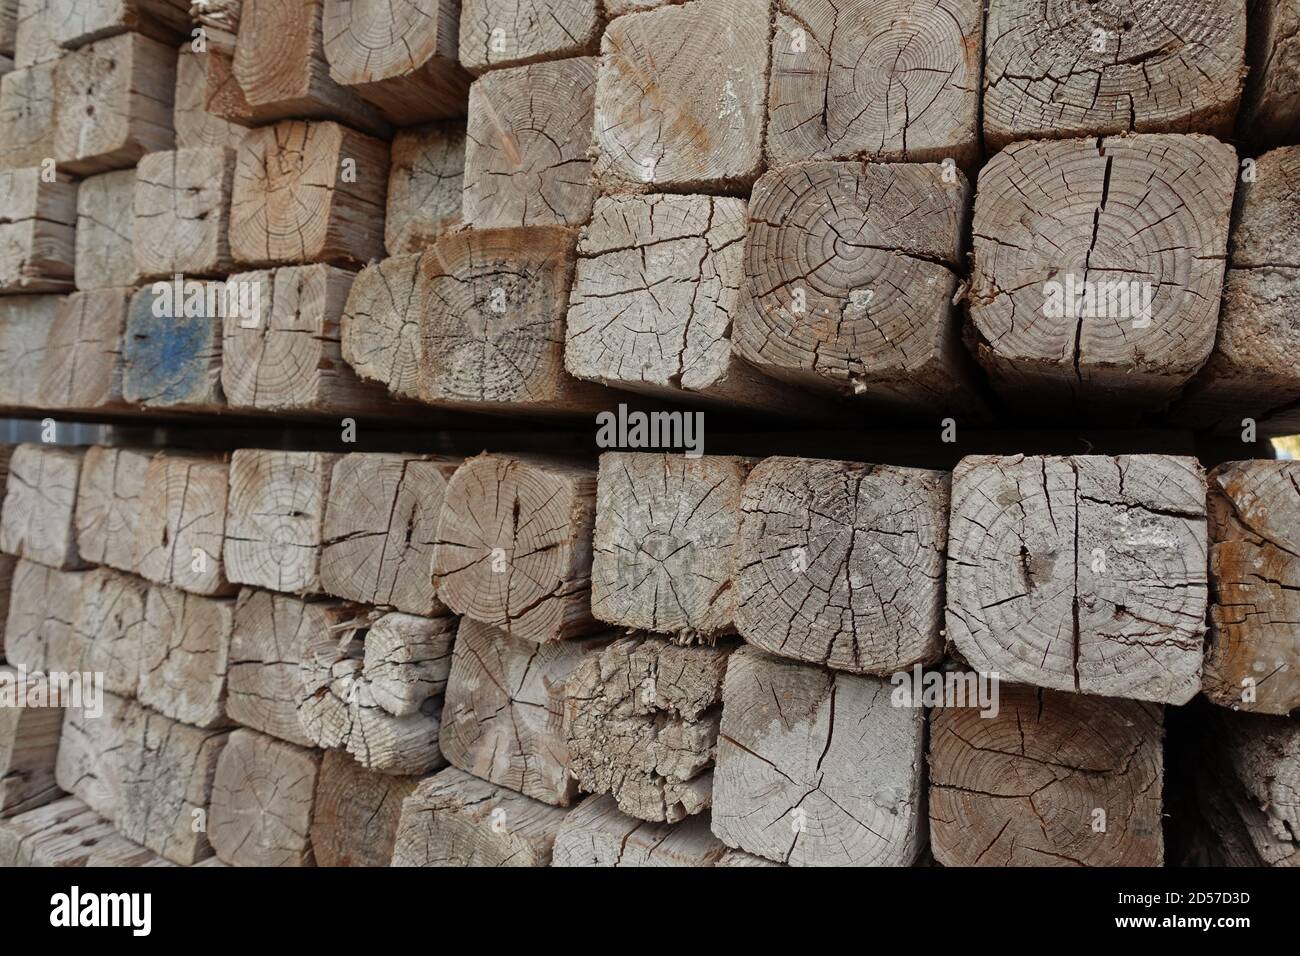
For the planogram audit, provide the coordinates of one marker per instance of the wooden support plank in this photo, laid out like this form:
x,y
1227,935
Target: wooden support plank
x,y
263,686
92,753
528,133
897,82
504,712
356,813
642,718
196,124
288,357
655,293
40,630
29,743
497,33
38,220
105,231
680,97
1085,574
1270,106
41,498
182,211
842,564
275,519
185,655
454,819
167,784
398,55
182,528
75,23
27,116
380,327
514,545
788,787
1252,662
25,323
113,103
67,833
381,523
1056,73
596,833
492,329
110,626
262,800
279,62
34,40
172,349
425,182
1259,759
665,543
110,504
297,198
81,368
876,322
1054,779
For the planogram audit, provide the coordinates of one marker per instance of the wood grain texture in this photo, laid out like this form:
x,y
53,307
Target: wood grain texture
x,y
642,718
1271,103
381,524
110,626
664,555
92,754
40,632
82,367
113,103
596,833
1260,758
37,223
513,546
497,33
36,521
425,182
110,504
816,768
185,655
182,528
850,272
29,745
181,212
380,327
454,819
34,40
74,23
27,116
25,323
105,256
262,799
171,352
842,564
356,813
1085,574
197,126
893,80
528,133
1066,70
67,833
1024,788
680,96
1146,214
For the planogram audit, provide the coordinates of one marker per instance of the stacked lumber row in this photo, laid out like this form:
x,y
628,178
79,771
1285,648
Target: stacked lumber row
x,y
659,661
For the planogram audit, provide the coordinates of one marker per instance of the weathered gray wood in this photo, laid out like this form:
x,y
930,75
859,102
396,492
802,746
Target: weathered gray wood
x,y
75,23
171,352
897,81
167,784
842,564
596,833
493,308
92,753
220,22
34,40
82,367
741,858
262,799
425,181
816,768
454,819
504,712
113,103
1085,573
1061,71
37,223
178,541
8,563
185,655
279,62
37,519
105,230
381,522
528,134
298,199
67,833
1270,106
1261,759
8,26
850,272
665,544
1252,662
110,625
196,124
398,55
356,813
642,719
1053,779
263,685
275,518
497,33
1143,220
29,744
680,97
110,504
380,327
40,631
27,116
408,660
1251,374
25,323
182,211
513,547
